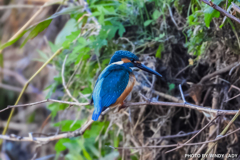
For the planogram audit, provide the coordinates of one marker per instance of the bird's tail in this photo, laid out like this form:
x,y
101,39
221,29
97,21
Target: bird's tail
x,y
97,111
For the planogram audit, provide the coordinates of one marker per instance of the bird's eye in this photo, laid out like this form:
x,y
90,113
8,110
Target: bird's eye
x,y
132,60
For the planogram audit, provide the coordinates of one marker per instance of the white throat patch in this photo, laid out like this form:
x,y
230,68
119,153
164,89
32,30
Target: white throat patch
x,y
118,62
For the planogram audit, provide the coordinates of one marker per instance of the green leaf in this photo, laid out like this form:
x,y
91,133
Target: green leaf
x,y
83,51
69,125
95,130
109,10
53,47
12,41
111,31
92,148
171,86
1,60
59,145
39,27
147,22
74,151
68,10
112,155
121,30
86,56
53,108
31,117
159,51
156,14
101,19
82,43
73,35
43,55
209,12
70,26
36,30
85,153
120,27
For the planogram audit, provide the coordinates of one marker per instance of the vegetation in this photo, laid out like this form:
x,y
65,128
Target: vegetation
x,y
184,40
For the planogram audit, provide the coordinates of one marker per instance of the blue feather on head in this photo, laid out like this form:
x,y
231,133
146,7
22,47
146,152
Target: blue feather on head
x,y
118,55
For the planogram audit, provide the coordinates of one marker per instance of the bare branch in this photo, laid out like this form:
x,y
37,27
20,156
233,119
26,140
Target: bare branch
x,y
31,138
220,71
222,133
235,7
176,145
193,136
4,7
177,135
225,13
63,80
44,101
181,91
205,110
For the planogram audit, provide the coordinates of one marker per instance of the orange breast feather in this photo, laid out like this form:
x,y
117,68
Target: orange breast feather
x,y
126,92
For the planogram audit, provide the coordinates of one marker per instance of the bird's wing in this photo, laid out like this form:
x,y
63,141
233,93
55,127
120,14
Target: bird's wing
x,y
110,85
104,73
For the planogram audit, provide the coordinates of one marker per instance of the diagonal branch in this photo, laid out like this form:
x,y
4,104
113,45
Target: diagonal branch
x,y
225,13
176,145
193,136
222,133
220,71
30,138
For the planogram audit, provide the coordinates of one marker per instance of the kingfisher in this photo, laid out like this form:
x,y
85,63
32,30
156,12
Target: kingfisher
x,y
116,81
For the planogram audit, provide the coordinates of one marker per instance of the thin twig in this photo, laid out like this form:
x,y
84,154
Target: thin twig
x,y
27,24
181,91
235,7
222,134
182,70
220,71
175,145
187,105
225,13
4,7
44,140
232,98
50,138
230,72
44,101
171,15
177,135
193,136
203,146
133,46
161,94
63,80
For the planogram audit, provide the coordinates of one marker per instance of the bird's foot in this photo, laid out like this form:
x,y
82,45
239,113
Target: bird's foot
x,y
123,106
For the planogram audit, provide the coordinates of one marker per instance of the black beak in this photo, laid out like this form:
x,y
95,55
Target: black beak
x,y
145,68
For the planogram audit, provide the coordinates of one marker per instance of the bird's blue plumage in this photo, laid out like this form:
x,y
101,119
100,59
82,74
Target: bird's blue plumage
x,y
118,55
110,85
116,81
